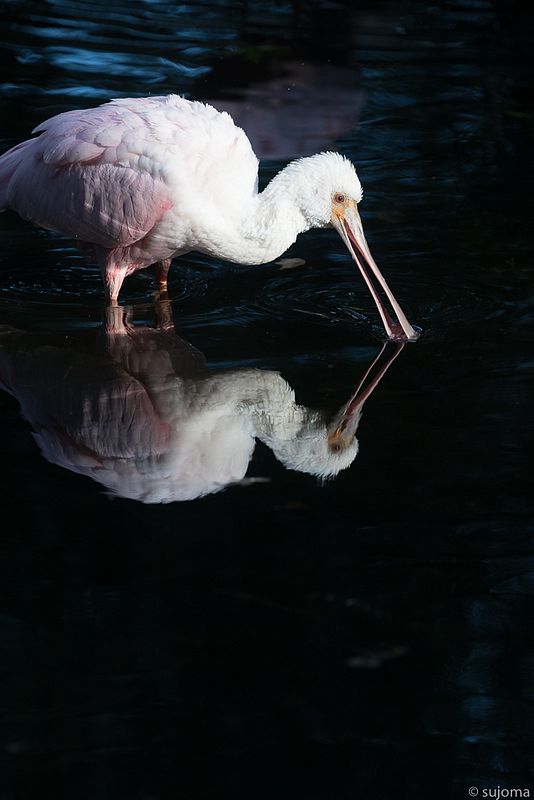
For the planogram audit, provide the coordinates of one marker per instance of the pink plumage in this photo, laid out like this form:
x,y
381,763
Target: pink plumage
x,y
148,179
128,177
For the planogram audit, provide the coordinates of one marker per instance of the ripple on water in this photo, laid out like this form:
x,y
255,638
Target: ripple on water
x,y
338,297
72,289
60,277
291,294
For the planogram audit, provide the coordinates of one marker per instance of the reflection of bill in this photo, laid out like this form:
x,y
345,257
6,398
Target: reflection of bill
x,y
299,114
146,418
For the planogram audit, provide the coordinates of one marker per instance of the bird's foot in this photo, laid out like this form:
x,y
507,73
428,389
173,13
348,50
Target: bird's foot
x,y
116,320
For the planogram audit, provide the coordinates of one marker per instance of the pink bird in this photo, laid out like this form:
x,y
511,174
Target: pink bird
x,y
145,416
149,179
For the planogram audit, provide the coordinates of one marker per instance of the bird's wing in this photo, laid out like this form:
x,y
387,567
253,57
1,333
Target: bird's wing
x,y
89,175
107,175
84,403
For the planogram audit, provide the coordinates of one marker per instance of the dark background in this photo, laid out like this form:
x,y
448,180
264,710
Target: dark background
x,y
367,637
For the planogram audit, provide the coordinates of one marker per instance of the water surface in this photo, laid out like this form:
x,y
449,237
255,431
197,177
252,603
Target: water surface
x,y
365,635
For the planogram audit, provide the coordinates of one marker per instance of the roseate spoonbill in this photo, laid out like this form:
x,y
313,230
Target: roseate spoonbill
x,y
147,418
148,179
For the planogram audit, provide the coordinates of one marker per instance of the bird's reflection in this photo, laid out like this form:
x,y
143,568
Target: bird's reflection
x,y
276,112
145,417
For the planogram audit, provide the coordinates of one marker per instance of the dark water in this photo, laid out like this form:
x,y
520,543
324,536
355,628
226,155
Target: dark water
x,y
367,636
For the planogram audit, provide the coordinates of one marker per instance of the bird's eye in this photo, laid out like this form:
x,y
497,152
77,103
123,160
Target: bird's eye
x,y
340,198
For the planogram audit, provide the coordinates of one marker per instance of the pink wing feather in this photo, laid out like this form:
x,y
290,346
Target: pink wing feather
x,y
82,176
100,412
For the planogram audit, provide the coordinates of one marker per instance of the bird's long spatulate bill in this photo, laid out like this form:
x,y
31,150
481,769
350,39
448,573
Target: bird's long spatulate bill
x,y
349,227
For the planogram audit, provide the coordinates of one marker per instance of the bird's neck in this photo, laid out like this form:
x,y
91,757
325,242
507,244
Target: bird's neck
x,y
268,224
276,219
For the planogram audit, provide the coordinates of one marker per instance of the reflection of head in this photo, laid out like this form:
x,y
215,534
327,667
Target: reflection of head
x,y
309,449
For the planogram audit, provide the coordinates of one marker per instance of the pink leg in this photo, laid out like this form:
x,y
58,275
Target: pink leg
x,y
114,271
113,278
162,270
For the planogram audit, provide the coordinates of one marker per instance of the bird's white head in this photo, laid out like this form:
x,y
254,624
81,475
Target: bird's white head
x,y
326,191
321,185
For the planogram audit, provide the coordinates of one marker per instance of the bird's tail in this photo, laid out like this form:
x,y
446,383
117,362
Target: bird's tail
x,y
9,163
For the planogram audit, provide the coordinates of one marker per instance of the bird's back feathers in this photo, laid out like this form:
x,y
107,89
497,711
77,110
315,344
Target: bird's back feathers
x,y
109,175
